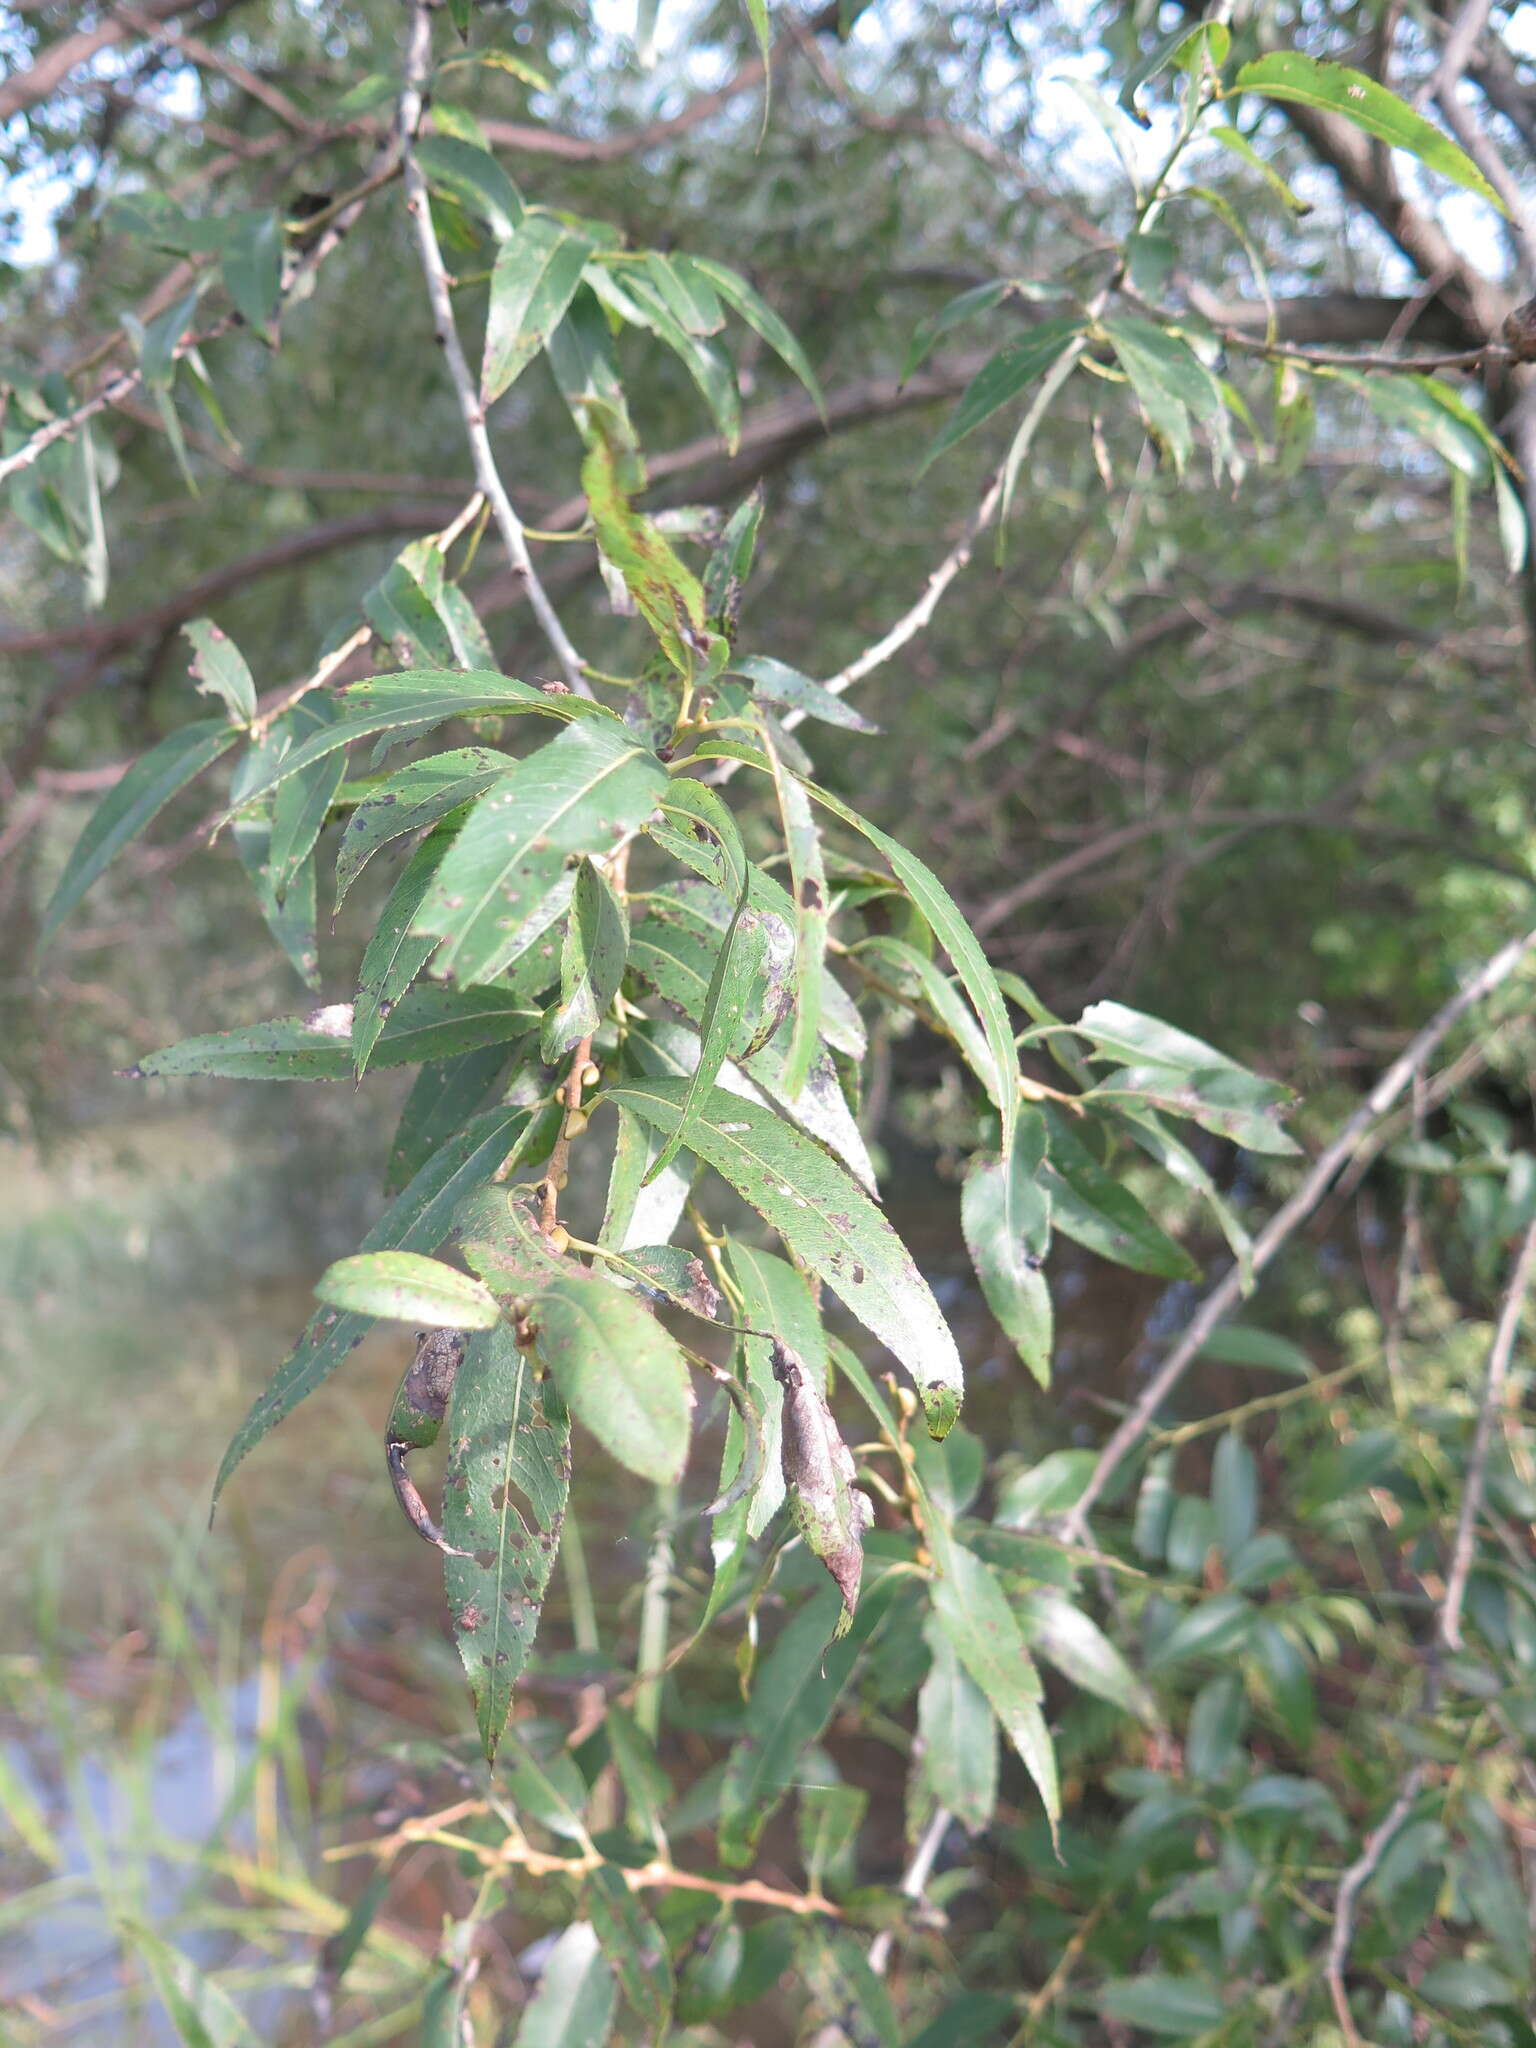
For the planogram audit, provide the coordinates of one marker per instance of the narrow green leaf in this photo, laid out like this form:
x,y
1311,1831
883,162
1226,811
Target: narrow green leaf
x,y
407,1288
736,975
794,1692
755,310
1080,1650
1179,2007
1287,75
302,805
410,800
973,1611
1234,1493
130,805
504,1496
635,1948
219,668
827,1221
958,940
414,701
808,878
1049,1488
1006,1218
580,794
1001,379
252,263
1173,48
573,2006
967,305
474,178
1212,1629
200,2009
774,682
1094,1209
591,962
395,954
775,1296
958,1732
668,595
697,828
1234,1104
417,1220
538,268
1172,385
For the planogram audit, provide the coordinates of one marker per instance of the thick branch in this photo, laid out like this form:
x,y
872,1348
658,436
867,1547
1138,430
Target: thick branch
x,y
70,52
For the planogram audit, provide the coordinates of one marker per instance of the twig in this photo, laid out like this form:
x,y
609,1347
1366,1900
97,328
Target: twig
x,y
322,675
412,104
914,1882
912,622
1351,1885
207,58
1477,1469
1230,1288
1460,44
658,1875
554,1177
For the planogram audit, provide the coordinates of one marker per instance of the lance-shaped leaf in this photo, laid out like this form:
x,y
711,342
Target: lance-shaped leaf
x,y
829,1510
735,978
409,801
573,2006
809,878
538,268
579,795
957,1766
428,1024
774,682
1006,1217
793,1695
408,1288
130,805
1000,380
1080,1650
292,922
443,1097
973,1611
1094,1209
826,1219
698,829
635,1947
726,572
219,670
618,1371
1171,383
910,971
252,263
739,295
415,701
504,1495
474,178
1357,98
958,940
301,806
591,962
1233,1103
417,1220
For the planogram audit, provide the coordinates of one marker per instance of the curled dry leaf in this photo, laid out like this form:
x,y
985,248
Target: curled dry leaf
x,y
416,1418
829,1510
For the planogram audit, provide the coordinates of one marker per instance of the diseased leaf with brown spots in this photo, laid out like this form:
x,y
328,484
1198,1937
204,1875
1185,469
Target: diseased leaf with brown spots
x,y
504,1495
829,1510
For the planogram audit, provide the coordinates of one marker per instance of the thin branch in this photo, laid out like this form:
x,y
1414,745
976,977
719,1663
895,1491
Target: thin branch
x,y
1229,1290
1465,34
912,622
1477,1469
914,1882
1351,1885
412,104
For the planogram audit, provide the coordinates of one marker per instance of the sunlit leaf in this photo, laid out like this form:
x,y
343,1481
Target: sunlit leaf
x,y
407,1288
538,268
